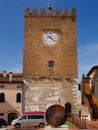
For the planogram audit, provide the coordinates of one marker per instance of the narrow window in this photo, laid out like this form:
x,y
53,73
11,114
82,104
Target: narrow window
x,y
51,64
18,97
2,97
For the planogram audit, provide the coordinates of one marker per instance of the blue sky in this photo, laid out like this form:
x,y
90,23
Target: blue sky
x,y
12,31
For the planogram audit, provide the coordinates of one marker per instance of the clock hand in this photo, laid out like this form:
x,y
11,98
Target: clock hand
x,y
50,37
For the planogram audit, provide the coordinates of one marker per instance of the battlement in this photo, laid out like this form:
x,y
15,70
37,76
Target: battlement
x,y
50,12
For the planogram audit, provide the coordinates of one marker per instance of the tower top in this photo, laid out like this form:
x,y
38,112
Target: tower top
x,y
50,12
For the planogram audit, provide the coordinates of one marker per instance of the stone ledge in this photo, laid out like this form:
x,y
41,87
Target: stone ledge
x,y
63,127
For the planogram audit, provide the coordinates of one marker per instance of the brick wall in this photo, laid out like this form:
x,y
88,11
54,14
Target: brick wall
x,y
37,54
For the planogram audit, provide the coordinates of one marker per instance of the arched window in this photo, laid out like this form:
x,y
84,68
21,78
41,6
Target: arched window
x,y
18,97
2,97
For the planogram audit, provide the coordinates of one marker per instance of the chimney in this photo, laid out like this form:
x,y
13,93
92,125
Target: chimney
x,y
4,73
10,76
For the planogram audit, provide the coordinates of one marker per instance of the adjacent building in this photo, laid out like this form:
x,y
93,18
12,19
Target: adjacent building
x,y
89,92
93,75
10,95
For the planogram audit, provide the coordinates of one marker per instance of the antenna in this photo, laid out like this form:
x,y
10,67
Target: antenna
x,y
49,4
49,1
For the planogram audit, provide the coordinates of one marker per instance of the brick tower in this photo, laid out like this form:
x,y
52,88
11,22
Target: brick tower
x,y
50,59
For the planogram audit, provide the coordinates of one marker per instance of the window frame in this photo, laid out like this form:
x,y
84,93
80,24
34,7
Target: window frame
x,y
51,64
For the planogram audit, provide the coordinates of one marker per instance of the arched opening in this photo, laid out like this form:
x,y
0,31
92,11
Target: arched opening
x,y
11,116
68,107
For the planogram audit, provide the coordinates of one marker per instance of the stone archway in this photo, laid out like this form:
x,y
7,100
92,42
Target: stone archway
x,y
68,107
11,116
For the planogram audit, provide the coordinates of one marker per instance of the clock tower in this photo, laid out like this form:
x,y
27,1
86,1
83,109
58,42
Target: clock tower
x,y
50,59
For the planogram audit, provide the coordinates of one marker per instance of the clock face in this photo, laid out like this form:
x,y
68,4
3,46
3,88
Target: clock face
x,y
50,38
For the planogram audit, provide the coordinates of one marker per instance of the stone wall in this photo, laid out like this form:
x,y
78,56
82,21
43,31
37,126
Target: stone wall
x,y
41,93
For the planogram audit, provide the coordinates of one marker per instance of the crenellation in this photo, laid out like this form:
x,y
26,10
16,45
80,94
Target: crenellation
x,y
42,12
58,12
27,11
50,12
73,12
35,12
65,12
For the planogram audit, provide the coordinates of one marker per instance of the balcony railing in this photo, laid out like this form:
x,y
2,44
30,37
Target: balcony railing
x,y
78,120
88,105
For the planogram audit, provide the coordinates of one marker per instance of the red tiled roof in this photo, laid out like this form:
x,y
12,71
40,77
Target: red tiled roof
x,y
92,69
16,77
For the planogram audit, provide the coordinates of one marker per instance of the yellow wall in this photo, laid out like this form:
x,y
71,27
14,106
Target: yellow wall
x,y
95,100
87,89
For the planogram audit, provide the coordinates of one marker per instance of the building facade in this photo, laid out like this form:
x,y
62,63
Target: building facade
x,y
50,59
89,93
10,95
93,75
